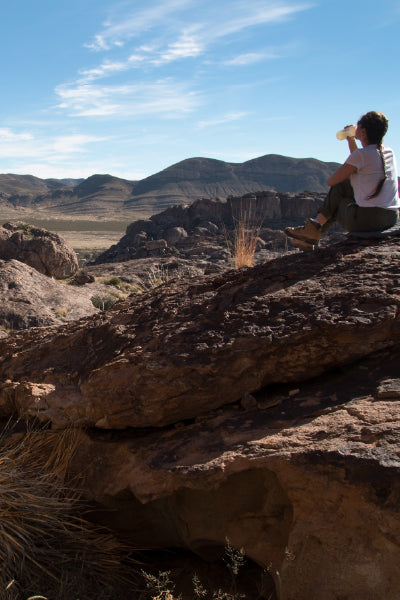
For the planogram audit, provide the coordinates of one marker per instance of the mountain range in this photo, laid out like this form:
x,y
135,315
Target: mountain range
x,y
109,197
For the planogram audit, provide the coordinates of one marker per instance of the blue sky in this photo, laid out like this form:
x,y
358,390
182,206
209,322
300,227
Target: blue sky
x,y
131,87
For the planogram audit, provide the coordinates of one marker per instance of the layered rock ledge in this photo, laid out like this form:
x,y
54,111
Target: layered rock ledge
x,y
192,346
260,405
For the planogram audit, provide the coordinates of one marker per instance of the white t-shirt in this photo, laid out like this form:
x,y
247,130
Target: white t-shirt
x,y
370,172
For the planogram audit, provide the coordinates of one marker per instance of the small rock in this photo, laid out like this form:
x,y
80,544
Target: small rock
x,y
389,388
294,392
82,278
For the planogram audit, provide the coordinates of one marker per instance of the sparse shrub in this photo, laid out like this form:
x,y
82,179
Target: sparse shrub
x,y
86,255
247,230
161,586
62,311
103,302
117,295
159,275
25,227
115,281
44,544
7,326
138,288
124,287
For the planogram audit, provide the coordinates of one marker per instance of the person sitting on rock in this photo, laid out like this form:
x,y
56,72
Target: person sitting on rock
x,y
364,190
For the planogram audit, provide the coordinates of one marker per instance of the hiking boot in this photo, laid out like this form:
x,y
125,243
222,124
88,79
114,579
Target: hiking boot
x,y
310,232
302,245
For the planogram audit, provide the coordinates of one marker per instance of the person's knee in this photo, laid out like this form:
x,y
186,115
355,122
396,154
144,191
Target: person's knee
x,y
344,188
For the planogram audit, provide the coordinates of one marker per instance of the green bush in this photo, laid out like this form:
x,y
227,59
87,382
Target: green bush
x,y
115,281
103,302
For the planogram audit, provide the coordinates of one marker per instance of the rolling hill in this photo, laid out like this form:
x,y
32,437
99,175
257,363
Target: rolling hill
x,y
109,197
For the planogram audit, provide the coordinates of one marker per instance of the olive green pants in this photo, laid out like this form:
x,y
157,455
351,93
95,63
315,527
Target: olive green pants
x,y
340,207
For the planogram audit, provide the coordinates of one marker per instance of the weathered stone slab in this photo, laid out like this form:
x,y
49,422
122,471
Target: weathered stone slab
x,y
188,347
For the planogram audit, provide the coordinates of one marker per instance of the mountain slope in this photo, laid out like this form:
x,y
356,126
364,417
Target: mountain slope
x,y
204,177
106,196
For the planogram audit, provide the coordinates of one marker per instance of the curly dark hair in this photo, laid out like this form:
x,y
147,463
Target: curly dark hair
x,y
376,125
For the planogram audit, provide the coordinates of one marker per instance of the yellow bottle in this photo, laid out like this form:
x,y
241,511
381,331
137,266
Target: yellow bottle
x,y
349,131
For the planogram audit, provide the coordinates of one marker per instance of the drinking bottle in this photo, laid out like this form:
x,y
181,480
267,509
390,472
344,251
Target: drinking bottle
x,y
349,131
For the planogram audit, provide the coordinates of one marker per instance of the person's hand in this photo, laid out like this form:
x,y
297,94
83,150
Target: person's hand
x,y
350,137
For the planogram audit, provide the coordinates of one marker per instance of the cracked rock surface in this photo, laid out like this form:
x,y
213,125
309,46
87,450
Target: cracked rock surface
x,y
192,346
260,405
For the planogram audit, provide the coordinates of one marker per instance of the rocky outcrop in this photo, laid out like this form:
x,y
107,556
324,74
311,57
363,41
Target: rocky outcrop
x,y
30,299
260,405
209,226
46,252
192,346
305,480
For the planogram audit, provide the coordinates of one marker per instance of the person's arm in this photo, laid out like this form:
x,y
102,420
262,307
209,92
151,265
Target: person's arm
x,y
352,144
341,174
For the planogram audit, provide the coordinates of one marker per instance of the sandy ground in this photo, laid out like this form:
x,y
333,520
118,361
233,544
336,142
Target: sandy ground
x,y
91,240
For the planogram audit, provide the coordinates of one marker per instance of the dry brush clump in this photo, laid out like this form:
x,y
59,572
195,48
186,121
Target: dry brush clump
x,y
228,585
247,226
46,546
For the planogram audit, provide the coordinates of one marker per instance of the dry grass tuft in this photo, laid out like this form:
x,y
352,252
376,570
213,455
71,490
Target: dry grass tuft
x,y
247,229
62,311
158,275
44,544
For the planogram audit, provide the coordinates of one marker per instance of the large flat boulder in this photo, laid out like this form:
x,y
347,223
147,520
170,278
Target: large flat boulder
x,y
189,347
30,299
43,250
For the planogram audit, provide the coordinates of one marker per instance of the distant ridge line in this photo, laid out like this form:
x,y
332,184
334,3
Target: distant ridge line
x,y
106,196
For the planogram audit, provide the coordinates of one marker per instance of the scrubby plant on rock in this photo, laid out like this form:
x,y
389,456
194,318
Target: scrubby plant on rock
x,y
46,546
103,302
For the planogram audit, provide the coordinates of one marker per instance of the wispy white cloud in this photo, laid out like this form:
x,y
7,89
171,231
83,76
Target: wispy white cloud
x,y
187,46
194,28
88,99
139,44
73,144
163,97
99,43
15,144
109,68
255,14
7,135
129,25
104,70
250,58
169,31
234,116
